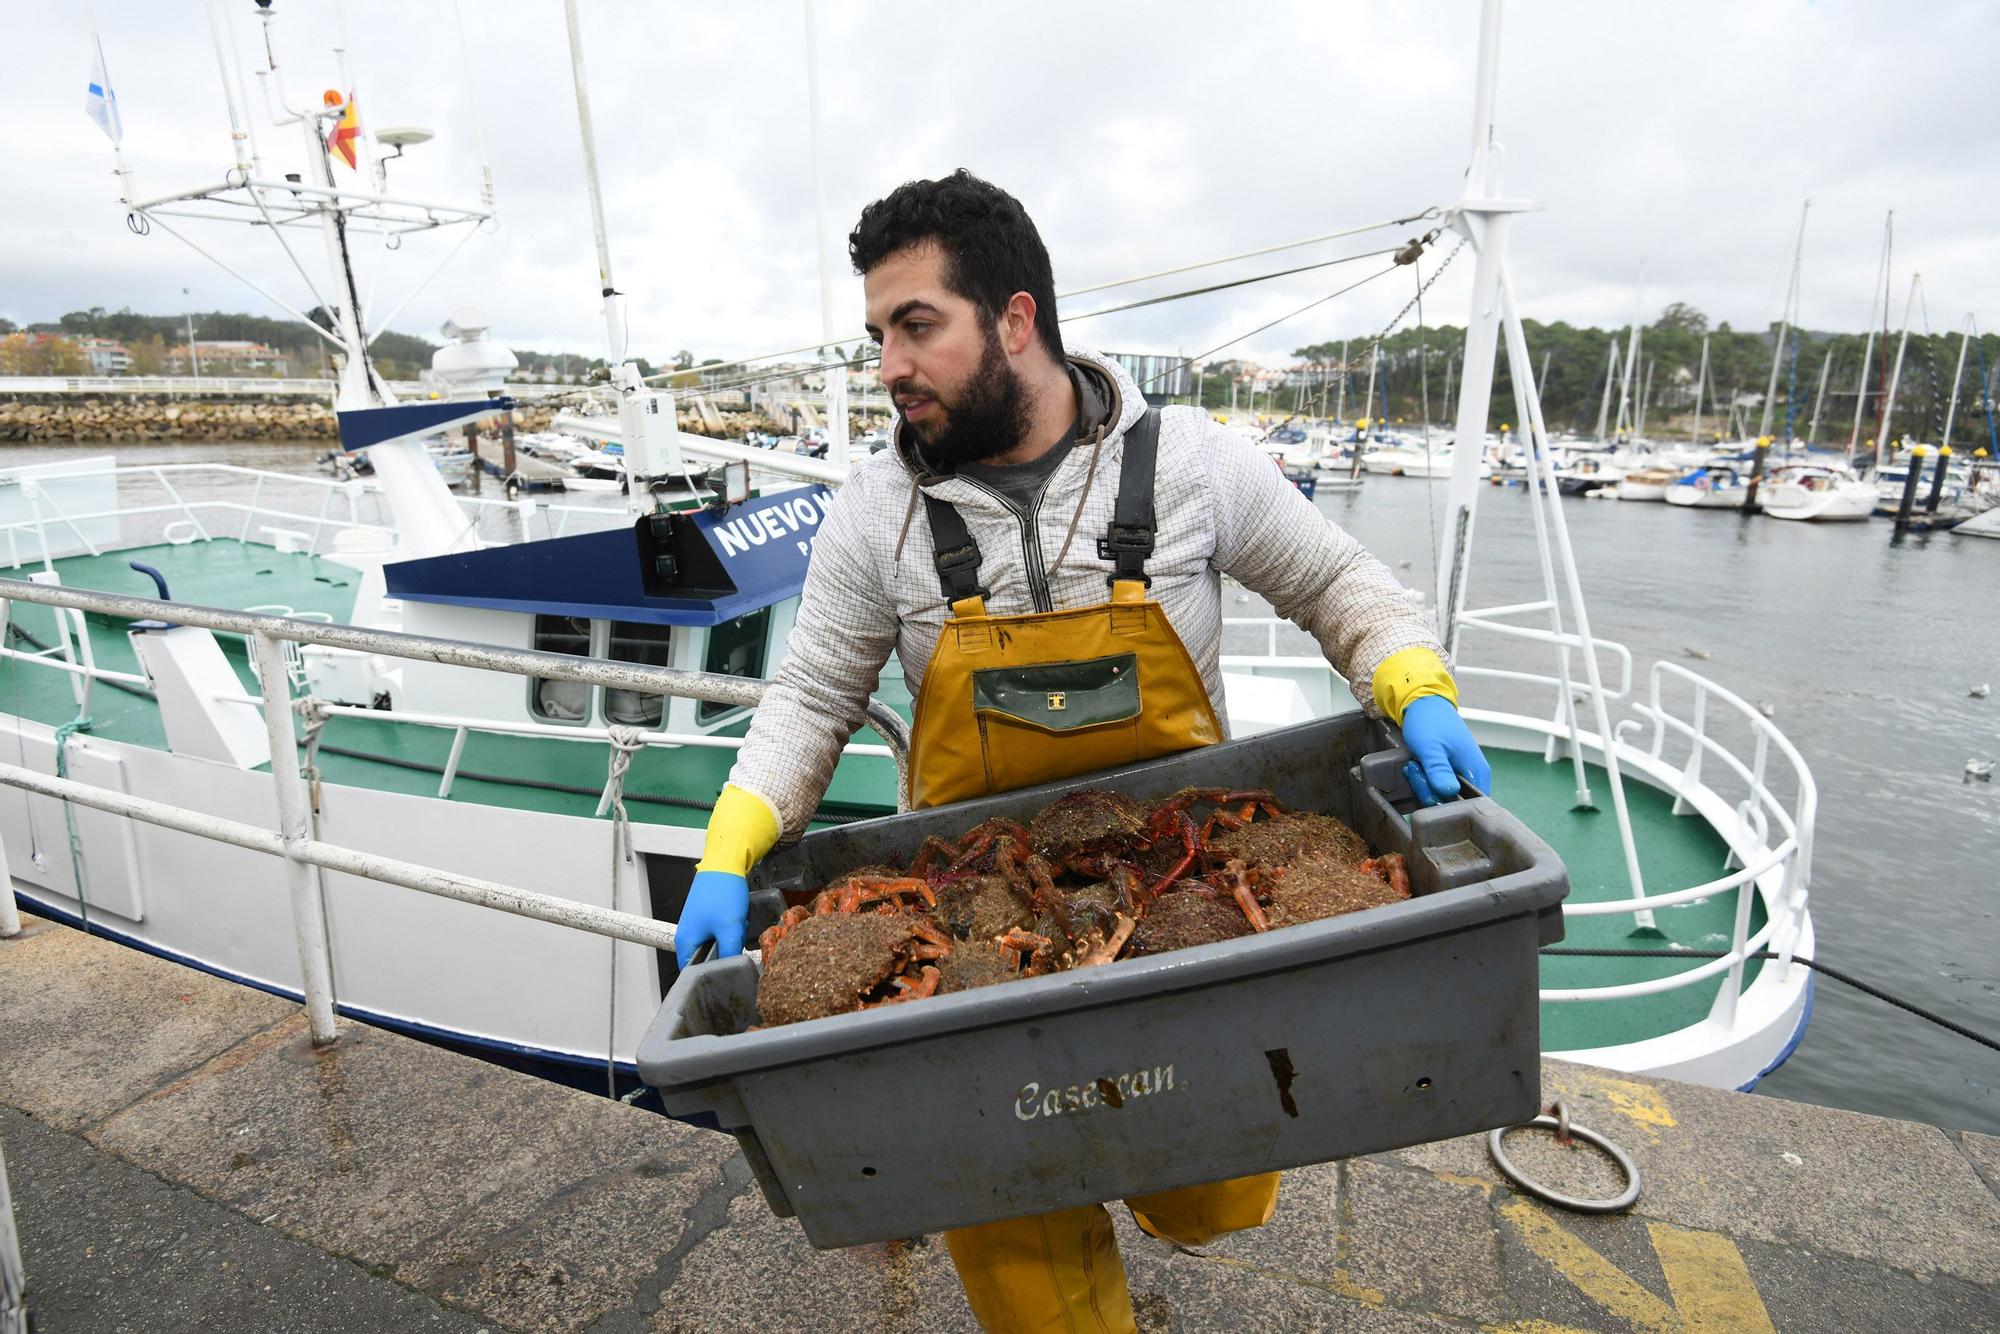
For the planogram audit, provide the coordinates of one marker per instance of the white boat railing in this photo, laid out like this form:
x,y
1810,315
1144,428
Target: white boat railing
x,y
258,516
1746,823
304,855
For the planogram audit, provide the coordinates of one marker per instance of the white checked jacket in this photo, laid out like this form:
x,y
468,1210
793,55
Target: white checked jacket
x,y
1220,507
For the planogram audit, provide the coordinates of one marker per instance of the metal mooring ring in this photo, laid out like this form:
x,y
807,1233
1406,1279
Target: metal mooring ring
x,y
1561,1124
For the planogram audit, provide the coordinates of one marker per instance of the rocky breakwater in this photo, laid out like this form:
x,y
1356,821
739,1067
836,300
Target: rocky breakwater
x,y
57,418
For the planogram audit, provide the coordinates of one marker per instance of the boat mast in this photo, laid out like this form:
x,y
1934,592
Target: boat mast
x,y
1484,218
837,450
1875,297
1700,380
1812,431
1368,403
1604,403
1951,413
1645,396
1784,323
1341,401
1541,386
1882,447
614,331
1632,350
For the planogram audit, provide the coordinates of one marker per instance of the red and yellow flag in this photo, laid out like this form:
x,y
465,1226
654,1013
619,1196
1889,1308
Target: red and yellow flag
x,y
346,130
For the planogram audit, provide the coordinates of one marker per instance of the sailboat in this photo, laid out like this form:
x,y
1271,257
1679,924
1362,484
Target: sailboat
x,y
479,771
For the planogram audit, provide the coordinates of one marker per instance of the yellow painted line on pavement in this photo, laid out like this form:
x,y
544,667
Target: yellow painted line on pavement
x,y
1712,1286
1594,1276
1639,1102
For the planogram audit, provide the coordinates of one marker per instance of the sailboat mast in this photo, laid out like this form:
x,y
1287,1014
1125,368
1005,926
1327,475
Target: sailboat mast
x,y
1700,380
1645,396
1632,350
837,452
614,332
1957,376
1896,376
1812,431
1542,385
1340,401
1875,297
1784,323
1604,403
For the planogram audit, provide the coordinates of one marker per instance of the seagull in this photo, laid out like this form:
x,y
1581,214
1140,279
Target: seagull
x,y
1698,654
1980,691
1980,769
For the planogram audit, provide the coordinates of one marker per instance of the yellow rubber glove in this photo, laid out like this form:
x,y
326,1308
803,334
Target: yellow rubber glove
x,y
741,830
1403,677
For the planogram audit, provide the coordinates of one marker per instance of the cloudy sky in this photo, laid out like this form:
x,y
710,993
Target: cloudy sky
x,y
1140,136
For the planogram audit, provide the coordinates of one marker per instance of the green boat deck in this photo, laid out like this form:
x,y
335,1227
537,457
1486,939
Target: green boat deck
x,y
568,776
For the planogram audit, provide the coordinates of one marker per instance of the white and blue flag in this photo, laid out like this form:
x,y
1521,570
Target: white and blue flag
x,y
101,104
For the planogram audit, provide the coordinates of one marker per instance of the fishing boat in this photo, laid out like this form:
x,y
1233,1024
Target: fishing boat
x,y
488,753
1817,493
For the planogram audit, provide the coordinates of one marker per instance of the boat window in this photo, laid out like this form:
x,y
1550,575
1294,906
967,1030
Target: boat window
x,y
561,701
735,648
632,641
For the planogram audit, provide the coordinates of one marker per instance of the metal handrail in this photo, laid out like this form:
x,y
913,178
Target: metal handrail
x,y
524,507
746,692
1790,856
304,855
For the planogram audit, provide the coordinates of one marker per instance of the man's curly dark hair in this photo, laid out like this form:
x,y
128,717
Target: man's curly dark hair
x,y
991,247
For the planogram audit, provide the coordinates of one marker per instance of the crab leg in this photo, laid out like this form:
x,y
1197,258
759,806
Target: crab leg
x,y
1191,840
925,985
1239,889
1027,943
1108,950
859,892
932,943
776,932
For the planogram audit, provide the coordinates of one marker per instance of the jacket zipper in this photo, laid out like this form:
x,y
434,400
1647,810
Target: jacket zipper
x,y
1031,543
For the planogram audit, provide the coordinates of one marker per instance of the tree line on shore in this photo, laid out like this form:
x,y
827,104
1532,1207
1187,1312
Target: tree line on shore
x,y
1739,362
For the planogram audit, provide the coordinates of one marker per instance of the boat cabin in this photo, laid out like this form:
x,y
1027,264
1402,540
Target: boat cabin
x,y
708,590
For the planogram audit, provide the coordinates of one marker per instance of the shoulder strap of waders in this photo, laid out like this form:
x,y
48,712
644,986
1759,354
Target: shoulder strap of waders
x,y
957,553
1130,538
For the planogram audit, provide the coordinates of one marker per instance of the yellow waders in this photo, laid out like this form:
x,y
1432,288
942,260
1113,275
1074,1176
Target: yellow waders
x,y
1011,701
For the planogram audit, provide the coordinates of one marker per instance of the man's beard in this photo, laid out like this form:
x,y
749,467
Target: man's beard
x,y
988,418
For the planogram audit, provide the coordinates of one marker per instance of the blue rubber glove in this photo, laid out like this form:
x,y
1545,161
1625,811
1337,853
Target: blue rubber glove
x,y
1442,748
718,905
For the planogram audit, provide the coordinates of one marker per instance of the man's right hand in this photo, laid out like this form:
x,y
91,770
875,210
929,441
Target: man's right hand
x,y
742,829
718,906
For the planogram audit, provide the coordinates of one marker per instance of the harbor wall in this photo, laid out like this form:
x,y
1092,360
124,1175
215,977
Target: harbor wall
x,y
55,418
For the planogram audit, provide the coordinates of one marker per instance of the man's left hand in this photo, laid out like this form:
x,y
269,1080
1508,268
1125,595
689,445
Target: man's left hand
x,y
1442,750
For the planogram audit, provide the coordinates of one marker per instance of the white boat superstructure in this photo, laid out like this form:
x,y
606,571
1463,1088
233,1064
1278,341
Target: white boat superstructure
x,y
1714,487
1648,483
1817,492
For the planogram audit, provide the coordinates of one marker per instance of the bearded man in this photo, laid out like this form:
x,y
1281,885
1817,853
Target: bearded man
x,y
1027,481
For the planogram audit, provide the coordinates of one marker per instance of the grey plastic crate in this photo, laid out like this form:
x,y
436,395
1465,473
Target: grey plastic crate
x,y
1393,1026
